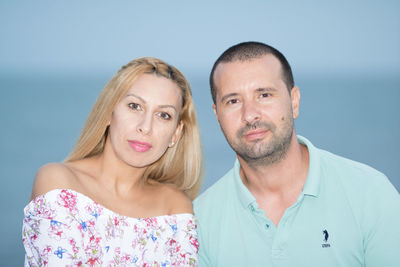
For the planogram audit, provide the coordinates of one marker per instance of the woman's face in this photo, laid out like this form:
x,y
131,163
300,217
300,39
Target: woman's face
x,y
145,122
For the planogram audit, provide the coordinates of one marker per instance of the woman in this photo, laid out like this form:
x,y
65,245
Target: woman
x,y
123,195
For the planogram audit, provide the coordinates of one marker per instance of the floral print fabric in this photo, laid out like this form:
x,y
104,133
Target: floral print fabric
x,y
66,228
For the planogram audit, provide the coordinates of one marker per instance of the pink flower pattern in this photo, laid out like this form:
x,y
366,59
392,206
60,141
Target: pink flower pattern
x,y
66,228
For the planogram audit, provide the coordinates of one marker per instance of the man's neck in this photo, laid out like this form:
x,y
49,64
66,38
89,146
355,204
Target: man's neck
x,y
277,186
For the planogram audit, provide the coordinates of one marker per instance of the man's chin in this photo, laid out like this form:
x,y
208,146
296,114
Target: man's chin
x,y
262,153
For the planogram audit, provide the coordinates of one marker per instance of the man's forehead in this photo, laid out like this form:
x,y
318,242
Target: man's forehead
x,y
252,74
268,59
265,65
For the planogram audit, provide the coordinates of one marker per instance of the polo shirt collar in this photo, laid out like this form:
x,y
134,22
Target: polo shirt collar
x,y
311,187
244,195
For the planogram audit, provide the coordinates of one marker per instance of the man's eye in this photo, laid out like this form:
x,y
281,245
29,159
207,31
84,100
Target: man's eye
x,y
164,115
134,106
265,95
232,101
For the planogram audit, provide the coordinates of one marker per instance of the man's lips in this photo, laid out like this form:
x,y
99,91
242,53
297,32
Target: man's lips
x,y
139,146
255,134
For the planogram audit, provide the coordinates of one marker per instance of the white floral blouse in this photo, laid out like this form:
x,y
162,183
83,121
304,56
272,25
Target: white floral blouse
x,y
66,228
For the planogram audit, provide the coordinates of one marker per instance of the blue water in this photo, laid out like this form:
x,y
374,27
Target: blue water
x,y
42,116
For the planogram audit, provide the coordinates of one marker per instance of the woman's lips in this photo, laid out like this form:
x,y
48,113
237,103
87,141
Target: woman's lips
x,y
139,146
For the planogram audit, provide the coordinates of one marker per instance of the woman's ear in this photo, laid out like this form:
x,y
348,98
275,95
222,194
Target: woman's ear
x,y
177,134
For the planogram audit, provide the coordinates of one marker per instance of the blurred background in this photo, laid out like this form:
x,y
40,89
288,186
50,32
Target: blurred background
x,y
56,56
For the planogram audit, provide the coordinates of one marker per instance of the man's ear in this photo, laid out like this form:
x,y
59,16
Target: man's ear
x,y
214,107
295,98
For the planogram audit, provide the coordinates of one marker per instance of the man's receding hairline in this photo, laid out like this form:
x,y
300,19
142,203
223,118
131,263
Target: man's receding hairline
x,y
248,60
241,58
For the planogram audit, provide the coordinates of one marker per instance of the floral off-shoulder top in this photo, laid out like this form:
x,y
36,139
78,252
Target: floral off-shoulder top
x,y
66,228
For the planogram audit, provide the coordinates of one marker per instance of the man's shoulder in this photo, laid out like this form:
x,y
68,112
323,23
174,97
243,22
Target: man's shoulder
x,y
354,177
335,166
351,169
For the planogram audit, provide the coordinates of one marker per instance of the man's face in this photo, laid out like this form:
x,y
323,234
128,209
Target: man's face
x,y
255,109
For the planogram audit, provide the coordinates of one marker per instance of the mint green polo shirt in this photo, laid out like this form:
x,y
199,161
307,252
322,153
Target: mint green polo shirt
x,y
348,214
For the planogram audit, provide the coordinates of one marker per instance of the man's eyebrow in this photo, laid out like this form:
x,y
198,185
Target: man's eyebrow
x,y
266,89
228,96
259,90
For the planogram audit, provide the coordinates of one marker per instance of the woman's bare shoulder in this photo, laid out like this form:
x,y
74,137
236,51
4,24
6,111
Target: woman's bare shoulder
x,y
52,176
177,200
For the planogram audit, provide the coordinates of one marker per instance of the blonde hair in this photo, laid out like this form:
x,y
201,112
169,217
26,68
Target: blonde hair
x,y
181,165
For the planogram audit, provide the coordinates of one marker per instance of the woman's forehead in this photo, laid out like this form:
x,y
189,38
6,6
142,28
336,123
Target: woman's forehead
x,y
157,89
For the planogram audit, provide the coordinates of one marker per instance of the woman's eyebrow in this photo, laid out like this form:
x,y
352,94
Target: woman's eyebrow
x,y
144,101
167,106
141,99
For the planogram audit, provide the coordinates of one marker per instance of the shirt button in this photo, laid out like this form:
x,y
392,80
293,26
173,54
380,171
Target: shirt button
x,y
252,208
266,226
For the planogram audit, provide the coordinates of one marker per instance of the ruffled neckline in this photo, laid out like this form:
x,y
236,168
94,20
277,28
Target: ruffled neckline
x,y
55,192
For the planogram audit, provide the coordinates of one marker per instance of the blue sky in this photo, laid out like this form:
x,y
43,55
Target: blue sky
x,y
338,36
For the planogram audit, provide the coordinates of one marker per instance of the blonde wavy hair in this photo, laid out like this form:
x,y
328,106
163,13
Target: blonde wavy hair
x,y
181,165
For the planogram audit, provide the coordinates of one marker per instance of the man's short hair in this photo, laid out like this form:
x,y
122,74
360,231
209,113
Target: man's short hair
x,y
247,51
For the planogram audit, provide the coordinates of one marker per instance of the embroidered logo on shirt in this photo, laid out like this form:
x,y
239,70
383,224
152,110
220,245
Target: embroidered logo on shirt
x,y
326,237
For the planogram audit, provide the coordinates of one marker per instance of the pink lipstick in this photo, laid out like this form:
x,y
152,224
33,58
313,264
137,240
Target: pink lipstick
x,y
139,146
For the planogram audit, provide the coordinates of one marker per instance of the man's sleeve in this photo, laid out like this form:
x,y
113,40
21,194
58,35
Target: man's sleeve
x,y
382,227
204,260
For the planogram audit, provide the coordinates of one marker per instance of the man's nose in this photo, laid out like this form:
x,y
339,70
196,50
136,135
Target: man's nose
x,y
250,112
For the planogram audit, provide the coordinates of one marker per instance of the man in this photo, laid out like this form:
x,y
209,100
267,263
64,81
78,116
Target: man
x,y
286,202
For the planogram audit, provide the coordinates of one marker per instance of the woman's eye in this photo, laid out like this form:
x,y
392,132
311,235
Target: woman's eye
x,y
134,106
164,115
